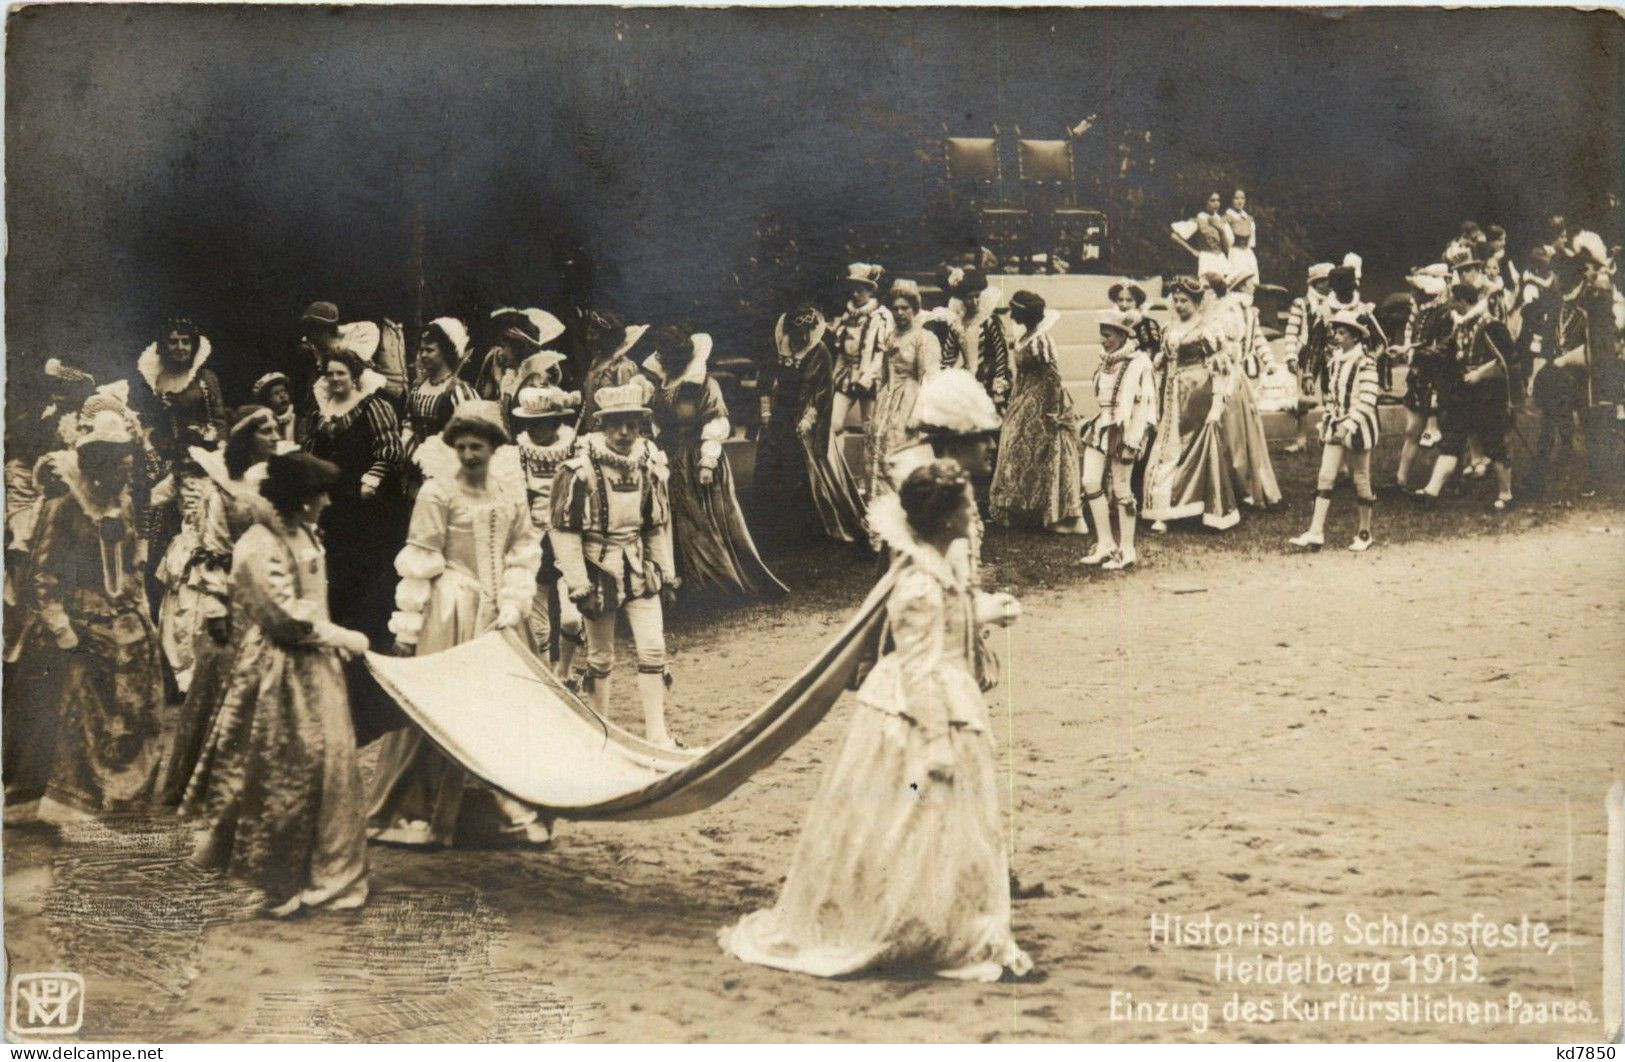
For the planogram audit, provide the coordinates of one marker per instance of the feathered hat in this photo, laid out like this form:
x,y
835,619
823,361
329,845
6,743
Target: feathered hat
x,y
953,402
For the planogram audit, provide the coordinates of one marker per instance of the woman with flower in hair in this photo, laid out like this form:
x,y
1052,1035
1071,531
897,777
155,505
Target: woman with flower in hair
x,y
231,505
902,865
712,545
469,566
799,478
912,357
1037,482
1190,473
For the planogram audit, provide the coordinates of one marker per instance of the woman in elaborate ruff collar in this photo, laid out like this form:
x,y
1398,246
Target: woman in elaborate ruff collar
x,y
712,545
469,566
799,477
278,792
902,865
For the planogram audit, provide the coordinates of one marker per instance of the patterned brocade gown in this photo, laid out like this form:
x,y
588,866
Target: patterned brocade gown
x,y
1039,479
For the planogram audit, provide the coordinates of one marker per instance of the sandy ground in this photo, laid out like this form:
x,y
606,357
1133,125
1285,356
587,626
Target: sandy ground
x,y
1425,732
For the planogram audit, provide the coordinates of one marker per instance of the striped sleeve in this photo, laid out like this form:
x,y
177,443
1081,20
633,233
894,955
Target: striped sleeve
x,y
1294,327
384,433
1364,390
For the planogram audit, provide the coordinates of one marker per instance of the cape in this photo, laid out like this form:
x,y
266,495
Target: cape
x,y
526,733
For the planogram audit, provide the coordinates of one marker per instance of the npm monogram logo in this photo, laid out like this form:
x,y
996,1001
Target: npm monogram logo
x,y
47,1003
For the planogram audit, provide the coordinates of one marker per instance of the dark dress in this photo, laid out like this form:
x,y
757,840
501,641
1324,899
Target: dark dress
x,y
361,535
800,482
712,545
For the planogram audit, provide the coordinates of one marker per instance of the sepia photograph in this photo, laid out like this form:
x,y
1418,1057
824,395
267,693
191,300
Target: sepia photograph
x,y
580,524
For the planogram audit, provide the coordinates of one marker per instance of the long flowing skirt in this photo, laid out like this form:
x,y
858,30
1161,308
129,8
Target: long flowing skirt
x,y
1249,450
800,480
418,796
1039,477
888,429
106,696
712,545
211,676
278,789
1191,472
893,870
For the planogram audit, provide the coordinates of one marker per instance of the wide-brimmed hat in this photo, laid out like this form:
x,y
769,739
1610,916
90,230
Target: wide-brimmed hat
x,y
1116,291
264,383
539,363
456,333
289,477
530,328
864,275
630,339
625,400
546,403
480,417
1349,319
954,402
1320,271
106,426
1430,280
1122,322
322,313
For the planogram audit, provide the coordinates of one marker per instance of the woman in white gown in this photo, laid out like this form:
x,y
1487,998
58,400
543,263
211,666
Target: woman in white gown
x,y
903,863
469,566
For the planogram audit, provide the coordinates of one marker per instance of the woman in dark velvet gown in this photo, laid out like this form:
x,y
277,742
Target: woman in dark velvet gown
x,y
800,482
713,546
355,428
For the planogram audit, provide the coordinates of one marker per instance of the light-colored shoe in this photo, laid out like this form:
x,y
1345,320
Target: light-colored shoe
x,y
1101,552
1295,447
1068,527
1361,543
1310,540
1120,560
1159,526
1429,439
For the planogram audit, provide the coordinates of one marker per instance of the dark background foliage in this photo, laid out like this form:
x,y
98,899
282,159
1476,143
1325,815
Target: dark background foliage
x,y
235,163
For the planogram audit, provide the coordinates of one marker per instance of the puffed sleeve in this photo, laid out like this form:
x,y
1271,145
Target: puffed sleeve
x,y
421,561
915,611
716,429
210,574
569,520
657,516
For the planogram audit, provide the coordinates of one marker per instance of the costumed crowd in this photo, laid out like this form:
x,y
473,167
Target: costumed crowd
x,y
191,585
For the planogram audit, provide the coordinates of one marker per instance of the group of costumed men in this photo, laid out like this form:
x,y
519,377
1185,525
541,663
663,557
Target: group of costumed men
x,y
1481,338
163,550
